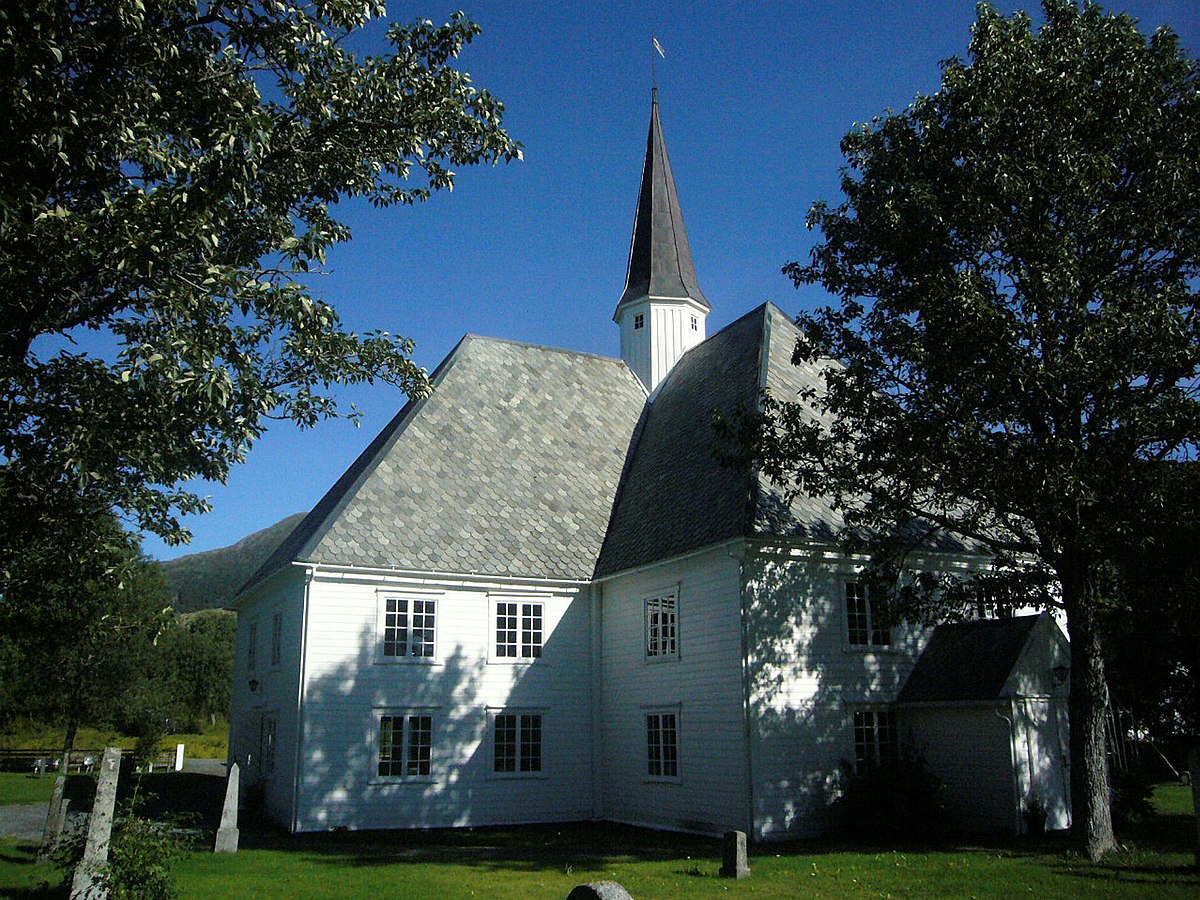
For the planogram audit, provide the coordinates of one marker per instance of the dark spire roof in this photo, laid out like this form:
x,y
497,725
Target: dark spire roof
x,y
660,258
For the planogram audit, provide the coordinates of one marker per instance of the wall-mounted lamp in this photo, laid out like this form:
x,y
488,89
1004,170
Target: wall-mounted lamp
x,y
254,685
1060,673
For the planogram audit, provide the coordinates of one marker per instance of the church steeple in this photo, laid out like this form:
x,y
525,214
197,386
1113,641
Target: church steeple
x,y
662,311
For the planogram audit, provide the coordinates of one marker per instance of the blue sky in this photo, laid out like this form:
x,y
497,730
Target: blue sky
x,y
754,99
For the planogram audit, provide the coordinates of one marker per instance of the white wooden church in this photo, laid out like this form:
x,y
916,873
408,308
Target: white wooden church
x,y
537,596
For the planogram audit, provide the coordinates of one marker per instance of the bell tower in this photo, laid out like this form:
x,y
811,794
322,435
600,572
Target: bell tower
x,y
662,312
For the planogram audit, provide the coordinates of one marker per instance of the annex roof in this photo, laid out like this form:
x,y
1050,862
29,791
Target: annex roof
x,y
660,256
508,468
969,661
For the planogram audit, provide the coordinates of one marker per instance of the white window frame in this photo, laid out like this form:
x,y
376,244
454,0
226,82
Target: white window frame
x,y
653,629
868,733
656,733
276,638
430,605
525,649
520,753
855,591
409,718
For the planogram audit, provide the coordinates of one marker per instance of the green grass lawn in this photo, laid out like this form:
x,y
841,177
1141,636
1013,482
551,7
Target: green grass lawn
x,y
17,787
548,861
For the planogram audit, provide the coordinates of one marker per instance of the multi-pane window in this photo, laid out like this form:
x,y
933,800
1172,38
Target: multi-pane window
x,y
276,638
662,745
252,648
695,324
517,743
874,738
639,319
518,630
861,626
408,626
405,745
268,728
662,637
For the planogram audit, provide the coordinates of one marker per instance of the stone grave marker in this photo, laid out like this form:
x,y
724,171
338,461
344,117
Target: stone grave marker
x,y
55,816
599,890
733,855
227,834
86,883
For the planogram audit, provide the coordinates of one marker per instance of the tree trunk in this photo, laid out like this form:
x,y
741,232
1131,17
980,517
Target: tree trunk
x,y
68,743
1194,773
1091,812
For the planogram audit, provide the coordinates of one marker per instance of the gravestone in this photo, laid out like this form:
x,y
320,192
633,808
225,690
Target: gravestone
x,y
733,855
227,834
55,816
599,890
179,757
86,883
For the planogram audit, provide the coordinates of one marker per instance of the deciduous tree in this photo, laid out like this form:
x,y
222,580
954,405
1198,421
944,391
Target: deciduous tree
x,y
1015,263
167,181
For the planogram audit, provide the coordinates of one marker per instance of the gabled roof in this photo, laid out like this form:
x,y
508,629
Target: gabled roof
x,y
969,661
660,257
675,495
508,468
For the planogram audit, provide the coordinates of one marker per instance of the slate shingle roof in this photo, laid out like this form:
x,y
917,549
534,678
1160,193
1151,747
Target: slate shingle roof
x,y
675,496
968,660
509,468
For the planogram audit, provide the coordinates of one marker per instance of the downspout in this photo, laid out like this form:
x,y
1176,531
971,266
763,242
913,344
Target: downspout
x,y
1012,764
309,574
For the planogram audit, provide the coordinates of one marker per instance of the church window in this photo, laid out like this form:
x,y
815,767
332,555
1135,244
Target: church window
x,y
519,629
862,627
408,627
662,626
405,745
268,730
874,738
517,743
276,638
639,319
252,648
695,324
662,745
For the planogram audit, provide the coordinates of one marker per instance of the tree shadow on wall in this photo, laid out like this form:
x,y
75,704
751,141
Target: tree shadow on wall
x,y
340,788
805,682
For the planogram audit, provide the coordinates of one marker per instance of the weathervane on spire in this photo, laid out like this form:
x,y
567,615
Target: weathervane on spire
x,y
654,63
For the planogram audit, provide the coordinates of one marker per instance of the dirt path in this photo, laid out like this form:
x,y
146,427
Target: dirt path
x,y
23,822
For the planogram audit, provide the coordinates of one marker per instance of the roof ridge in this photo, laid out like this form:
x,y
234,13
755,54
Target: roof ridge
x,y
547,347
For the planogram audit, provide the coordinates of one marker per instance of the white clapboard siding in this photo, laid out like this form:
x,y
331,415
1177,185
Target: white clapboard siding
x,y
665,336
348,684
276,693
969,747
704,685
1041,749
805,682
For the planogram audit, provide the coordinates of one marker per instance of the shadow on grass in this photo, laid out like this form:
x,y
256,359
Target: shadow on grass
x,y
528,848
22,858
